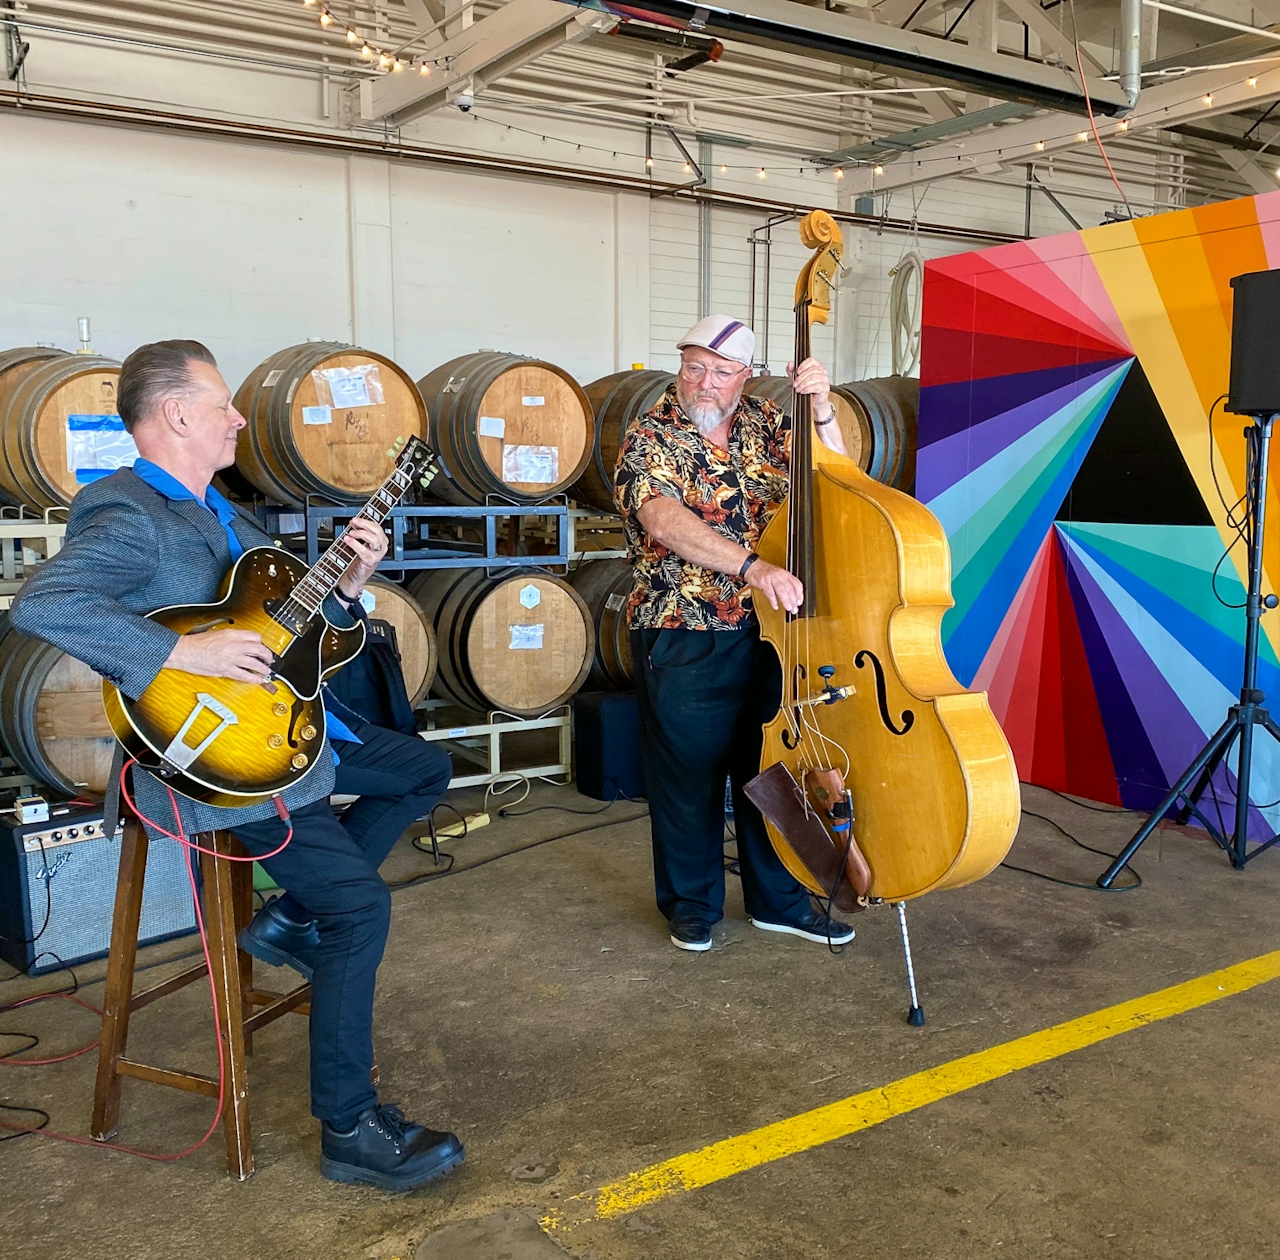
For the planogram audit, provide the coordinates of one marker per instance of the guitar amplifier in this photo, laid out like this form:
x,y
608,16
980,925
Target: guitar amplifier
x,y
66,869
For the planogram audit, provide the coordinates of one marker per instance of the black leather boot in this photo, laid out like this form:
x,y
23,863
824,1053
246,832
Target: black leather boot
x,y
278,940
387,1151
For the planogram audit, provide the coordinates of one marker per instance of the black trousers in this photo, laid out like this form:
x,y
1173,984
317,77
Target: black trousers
x,y
703,697
330,872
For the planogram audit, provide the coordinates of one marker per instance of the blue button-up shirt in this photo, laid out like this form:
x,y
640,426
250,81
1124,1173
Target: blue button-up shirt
x,y
167,484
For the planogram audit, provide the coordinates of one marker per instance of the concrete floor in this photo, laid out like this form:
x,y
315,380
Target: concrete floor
x,y
536,1007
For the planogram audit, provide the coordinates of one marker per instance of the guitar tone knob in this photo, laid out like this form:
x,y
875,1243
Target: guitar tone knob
x,y
308,732
275,741
298,760
279,709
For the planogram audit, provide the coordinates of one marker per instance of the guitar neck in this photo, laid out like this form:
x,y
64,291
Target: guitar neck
x,y
323,576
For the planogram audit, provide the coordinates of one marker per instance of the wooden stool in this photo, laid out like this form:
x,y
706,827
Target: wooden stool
x,y
227,899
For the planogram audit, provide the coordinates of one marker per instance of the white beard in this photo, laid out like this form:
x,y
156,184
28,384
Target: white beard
x,y
706,417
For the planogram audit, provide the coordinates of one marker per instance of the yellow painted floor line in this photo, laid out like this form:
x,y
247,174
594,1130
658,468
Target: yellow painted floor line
x,y
861,1111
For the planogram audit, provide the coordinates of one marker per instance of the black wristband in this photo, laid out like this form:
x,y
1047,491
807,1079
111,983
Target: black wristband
x,y
746,564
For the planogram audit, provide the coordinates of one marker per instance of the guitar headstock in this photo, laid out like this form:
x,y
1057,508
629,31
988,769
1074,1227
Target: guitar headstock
x,y
414,458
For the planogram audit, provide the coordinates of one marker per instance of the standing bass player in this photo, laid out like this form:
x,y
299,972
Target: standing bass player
x,y
698,479
156,535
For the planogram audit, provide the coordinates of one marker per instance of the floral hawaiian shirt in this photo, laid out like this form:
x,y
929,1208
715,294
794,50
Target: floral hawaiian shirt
x,y
735,491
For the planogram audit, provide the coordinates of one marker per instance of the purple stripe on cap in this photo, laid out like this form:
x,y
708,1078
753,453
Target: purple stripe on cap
x,y
719,340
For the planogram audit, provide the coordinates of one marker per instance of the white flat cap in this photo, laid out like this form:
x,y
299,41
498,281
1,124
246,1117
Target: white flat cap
x,y
724,335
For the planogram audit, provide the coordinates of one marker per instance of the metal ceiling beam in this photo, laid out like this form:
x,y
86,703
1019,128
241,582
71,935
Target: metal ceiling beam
x,y
989,151
959,124
786,25
519,32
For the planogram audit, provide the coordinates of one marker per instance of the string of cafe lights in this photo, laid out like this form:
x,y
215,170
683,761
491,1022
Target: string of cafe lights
x,y
392,62
651,163
370,50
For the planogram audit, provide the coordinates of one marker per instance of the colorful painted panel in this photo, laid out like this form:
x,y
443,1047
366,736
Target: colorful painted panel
x,y
1065,444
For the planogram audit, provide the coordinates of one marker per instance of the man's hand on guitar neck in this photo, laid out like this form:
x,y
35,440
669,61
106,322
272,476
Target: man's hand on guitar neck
x,y
369,543
239,655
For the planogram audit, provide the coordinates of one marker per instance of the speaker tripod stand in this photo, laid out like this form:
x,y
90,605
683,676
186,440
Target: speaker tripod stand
x,y
1242,718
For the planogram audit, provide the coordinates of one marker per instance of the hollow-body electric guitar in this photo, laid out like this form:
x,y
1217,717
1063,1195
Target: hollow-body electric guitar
x,y
234,743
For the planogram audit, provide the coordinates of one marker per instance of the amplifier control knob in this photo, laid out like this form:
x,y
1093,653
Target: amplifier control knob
x,y
56,835
89,829
72,833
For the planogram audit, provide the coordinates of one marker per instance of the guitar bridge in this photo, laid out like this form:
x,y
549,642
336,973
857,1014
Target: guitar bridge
x,y
180,753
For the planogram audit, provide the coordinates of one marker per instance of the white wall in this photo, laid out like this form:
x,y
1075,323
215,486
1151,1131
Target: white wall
x,y
252,248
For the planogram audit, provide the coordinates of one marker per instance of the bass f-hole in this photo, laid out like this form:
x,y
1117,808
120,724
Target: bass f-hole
x,y
908,718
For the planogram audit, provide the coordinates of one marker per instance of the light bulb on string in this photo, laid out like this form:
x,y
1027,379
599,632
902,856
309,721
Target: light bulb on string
x,y
397,64
1122,125
352,37
687,168
1252,82
878,170
649,163
839,172
762,174
724,170
424,69
366,52
326,18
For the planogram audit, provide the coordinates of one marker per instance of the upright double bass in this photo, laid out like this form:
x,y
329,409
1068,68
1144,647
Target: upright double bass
x,y
882,777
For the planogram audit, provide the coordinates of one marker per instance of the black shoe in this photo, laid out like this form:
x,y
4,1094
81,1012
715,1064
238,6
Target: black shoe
x,y
276,939
387,1151
812,925
690,933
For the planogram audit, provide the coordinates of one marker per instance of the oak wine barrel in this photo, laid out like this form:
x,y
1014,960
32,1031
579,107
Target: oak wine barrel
x,y
58,425
616,401
520,642
876,417
890,407
51,718
605,586
519,429
415,635
322,417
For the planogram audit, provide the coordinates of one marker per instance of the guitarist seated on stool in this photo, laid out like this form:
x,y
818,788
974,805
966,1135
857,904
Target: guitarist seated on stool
x,y
157,535
698,479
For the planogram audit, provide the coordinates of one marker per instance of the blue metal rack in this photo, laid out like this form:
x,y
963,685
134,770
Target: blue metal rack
x,y
414,547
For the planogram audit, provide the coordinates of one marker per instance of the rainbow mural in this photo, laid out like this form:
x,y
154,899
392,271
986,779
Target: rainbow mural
x,y
1066,389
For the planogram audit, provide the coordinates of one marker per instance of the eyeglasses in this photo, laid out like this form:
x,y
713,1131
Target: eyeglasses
x,y
719,376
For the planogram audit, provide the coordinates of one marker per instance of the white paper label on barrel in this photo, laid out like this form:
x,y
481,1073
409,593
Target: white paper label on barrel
x,y
317,415
526,636
537,464
368,600
534,400
349,386
271,378
97,445
492,426
615,602
530,596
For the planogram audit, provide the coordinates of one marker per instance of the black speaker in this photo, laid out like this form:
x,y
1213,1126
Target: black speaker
x,y
64,870
1255,344
606,745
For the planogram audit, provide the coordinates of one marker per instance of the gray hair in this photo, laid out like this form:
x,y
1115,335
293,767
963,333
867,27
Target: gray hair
x,y
155,372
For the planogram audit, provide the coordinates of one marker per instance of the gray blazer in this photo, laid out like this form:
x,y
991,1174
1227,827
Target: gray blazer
x,y
128,551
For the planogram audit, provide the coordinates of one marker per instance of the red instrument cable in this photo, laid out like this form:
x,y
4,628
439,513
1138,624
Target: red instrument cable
x,y
181,838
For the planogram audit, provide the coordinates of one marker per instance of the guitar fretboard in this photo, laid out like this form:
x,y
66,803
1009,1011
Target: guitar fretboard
x,y
324,576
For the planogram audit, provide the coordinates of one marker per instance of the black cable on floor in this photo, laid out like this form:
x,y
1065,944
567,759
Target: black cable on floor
x,y
427,876
1072,883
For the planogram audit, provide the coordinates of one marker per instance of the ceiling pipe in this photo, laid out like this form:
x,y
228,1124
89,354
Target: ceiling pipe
x,y
1131,49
